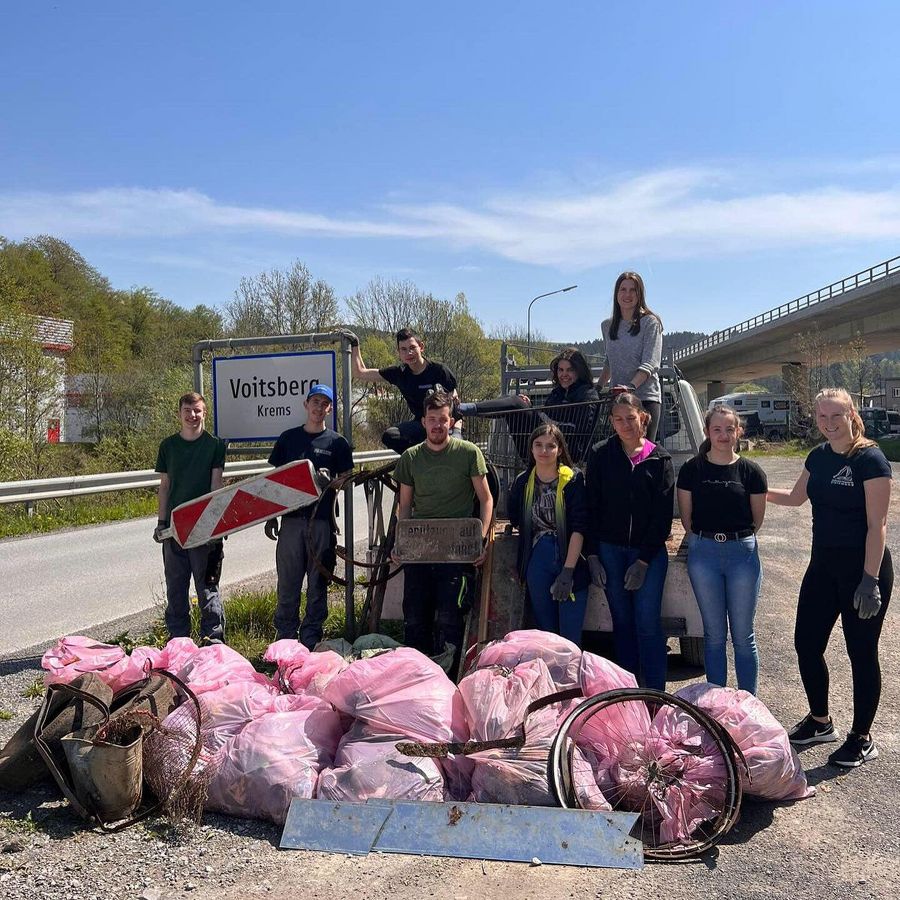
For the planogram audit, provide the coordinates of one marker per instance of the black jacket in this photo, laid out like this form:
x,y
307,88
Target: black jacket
x,y
576,519
630,506
580,392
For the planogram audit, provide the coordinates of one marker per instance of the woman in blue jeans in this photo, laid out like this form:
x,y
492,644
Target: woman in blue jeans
x,y
630,483
547,504
722,500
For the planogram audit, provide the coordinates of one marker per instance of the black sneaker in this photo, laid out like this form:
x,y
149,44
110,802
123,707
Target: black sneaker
x,y
809,731
854,751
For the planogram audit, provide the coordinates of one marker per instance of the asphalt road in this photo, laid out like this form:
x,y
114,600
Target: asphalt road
x,y
70,581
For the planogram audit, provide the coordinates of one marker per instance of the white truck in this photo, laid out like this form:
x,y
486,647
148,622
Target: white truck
x,y
773,417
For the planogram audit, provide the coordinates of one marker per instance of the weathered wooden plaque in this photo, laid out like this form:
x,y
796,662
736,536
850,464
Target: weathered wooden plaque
x,y
438,540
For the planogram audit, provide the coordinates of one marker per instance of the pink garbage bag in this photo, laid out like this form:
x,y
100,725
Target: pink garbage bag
x,y
215,666
597,675
400,692
226,710
173,656
272,760
585,767
496,698
74,655
518,775
310,674
561,656
368,765
775,769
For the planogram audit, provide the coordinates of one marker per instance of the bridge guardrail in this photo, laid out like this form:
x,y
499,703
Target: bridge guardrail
x,y
82,485
851,282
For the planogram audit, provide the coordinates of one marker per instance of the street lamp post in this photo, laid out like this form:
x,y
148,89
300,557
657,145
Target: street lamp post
x,y
571,287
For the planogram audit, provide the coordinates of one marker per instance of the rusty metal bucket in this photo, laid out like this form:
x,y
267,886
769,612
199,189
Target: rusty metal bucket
x,y
107,777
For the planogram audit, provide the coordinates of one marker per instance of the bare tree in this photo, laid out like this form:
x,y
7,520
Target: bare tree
x,y
859,372
282,301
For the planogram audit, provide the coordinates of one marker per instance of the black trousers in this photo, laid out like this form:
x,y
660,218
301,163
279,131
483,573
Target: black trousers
x,y
403,436
436,598
826,593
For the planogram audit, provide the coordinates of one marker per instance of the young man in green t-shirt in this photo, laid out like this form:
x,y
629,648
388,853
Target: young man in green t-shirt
x,y
190,464
440,478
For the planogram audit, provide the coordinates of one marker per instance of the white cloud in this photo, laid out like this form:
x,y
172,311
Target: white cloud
x,y
666,214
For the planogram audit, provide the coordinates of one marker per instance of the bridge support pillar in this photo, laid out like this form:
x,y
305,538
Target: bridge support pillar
x,y
714,389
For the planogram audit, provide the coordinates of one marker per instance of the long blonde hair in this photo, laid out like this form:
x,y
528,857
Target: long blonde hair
x,y
857,429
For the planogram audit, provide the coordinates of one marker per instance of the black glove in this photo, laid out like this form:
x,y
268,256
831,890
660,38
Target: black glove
x,y
351,337
635,575
867,598
323,478
271,528
561,589
160,528
598,573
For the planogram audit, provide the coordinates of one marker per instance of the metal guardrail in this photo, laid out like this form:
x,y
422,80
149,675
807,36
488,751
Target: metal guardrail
x,y
851,282
81,485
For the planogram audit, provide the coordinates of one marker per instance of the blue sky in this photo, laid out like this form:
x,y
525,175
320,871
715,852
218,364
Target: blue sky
x,y
736,154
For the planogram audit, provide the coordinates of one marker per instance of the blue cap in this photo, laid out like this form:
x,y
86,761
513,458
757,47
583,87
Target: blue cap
x,y
322,389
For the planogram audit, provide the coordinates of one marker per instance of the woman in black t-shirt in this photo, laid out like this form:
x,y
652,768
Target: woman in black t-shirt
x,y
848,482
722,500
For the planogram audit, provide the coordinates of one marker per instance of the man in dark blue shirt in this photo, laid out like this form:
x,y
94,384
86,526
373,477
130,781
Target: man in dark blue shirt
x,y
302,538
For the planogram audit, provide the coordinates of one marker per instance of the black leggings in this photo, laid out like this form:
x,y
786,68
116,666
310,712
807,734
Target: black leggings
x,y
826,593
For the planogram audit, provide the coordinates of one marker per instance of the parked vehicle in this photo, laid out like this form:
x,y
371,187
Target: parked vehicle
x,y
876,421
773,417
894,420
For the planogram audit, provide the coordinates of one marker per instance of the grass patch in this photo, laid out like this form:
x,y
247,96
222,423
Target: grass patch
x,y
51,515
35,690
797,449
6,715
891,448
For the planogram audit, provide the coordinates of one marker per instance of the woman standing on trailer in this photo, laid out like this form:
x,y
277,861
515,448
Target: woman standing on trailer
x,y
630,482
722,500
632,338
547,503
848,482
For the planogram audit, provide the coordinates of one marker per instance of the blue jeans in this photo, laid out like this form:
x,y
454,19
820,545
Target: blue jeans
x,y
726,578
566,618
637,628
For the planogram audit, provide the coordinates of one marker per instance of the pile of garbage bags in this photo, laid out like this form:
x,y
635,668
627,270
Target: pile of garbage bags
x,y
325,725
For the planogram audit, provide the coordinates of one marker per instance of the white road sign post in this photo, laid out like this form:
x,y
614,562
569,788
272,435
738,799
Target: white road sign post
x,y
257,397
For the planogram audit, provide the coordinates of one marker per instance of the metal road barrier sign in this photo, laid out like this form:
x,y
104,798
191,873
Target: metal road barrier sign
x,y
243,504
438,540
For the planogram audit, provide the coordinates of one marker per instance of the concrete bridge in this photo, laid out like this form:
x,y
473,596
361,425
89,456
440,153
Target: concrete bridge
x,y
867,303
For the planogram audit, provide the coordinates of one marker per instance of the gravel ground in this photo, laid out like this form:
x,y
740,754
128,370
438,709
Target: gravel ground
x,y
844,843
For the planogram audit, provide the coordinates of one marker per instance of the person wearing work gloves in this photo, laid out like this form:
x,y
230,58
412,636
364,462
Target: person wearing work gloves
x,y
630,487
850,574
302,538
548,505
415,377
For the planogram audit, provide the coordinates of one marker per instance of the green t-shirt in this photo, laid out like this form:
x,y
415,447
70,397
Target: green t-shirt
x,y
441,482
189,465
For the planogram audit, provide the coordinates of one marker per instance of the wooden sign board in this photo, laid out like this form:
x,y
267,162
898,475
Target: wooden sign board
x,y
438,540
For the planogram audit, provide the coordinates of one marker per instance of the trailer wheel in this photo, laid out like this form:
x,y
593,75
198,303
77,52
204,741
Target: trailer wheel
x,y
692,650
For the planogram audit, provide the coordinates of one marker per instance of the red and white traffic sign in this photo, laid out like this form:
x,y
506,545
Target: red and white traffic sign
x,y
243,504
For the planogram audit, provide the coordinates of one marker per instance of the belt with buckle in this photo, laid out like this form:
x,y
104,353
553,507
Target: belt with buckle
x,y
722,536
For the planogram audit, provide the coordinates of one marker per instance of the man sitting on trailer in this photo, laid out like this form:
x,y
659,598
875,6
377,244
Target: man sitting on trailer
x,y
190,464
415,377
304,540
440,479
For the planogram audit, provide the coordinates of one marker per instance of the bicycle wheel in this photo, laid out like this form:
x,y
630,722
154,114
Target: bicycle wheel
x,y
654,754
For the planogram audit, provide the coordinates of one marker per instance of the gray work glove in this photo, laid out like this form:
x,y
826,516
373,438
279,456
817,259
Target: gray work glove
x,y
271,528
323,478
867,598
561,589
351,337
157,532
598,573
635,575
